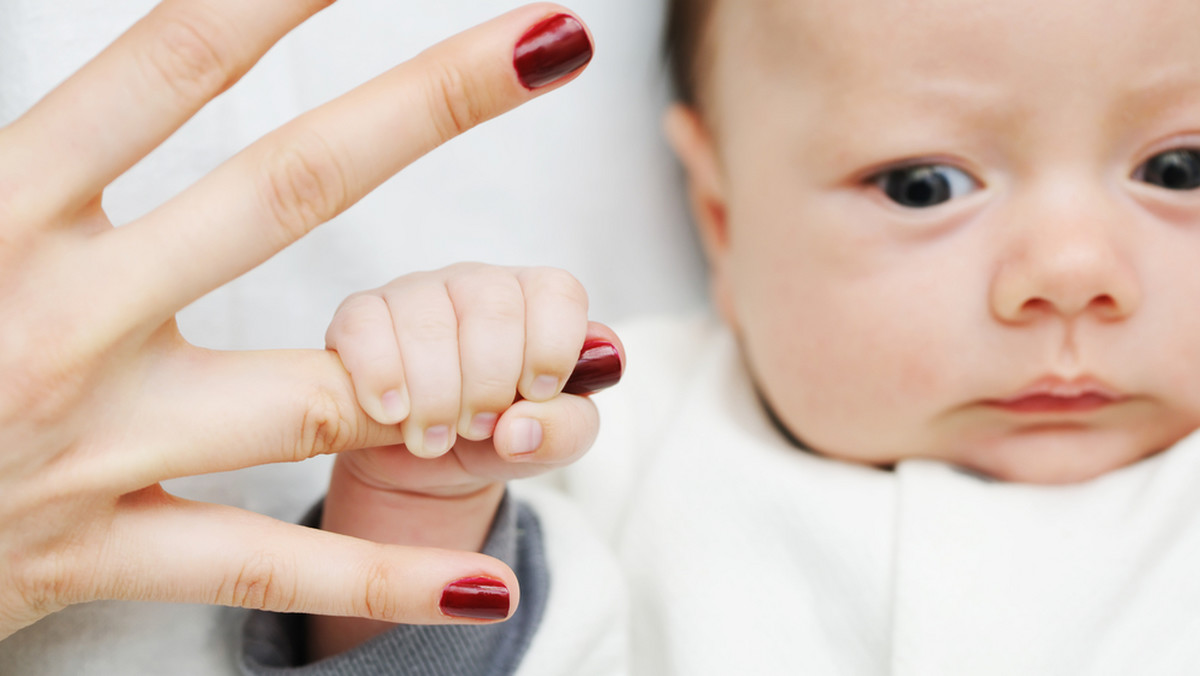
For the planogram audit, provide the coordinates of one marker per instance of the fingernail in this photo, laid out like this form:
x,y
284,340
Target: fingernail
x,y
551,50
543,388
599,367
436,441
394,406
526,437
480,598
483,424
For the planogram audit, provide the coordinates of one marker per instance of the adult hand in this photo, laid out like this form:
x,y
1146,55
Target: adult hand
x,y
101,398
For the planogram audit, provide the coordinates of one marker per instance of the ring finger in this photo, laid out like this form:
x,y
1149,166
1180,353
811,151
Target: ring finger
x,y
427,331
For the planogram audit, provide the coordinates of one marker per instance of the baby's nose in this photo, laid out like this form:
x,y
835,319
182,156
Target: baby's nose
x,y
1067,267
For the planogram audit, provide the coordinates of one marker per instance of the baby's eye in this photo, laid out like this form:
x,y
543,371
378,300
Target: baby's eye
x,y
925,185
1177,169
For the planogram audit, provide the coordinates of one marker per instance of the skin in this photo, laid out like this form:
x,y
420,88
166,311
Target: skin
x,y
879,332
101,398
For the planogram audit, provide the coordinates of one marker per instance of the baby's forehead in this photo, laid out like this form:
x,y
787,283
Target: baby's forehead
x,y
835,38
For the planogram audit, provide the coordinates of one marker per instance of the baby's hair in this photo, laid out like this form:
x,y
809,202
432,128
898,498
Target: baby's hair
x,y
686,25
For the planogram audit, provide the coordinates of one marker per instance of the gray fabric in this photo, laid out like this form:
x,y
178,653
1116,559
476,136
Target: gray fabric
x,y
273,643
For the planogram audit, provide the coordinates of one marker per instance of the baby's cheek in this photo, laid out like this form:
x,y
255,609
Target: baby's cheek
x,y
846,392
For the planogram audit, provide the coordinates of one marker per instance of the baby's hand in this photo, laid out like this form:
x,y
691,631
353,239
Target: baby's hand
x,y
446,354
472,362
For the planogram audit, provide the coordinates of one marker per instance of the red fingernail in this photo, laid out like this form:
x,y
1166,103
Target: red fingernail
x,y
599,367
551,50
480,598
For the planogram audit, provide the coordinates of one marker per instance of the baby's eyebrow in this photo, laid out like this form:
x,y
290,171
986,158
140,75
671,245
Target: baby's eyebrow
x,y
1162,90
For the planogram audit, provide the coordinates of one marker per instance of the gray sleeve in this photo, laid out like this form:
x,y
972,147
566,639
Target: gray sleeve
x,y
274,644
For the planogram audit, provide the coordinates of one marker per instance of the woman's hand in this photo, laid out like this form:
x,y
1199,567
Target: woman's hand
x,y
101,398
472,362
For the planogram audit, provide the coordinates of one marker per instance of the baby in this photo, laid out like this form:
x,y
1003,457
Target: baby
x,y
954,249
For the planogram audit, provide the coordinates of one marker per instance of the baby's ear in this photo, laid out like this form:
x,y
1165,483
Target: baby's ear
x,y
693,144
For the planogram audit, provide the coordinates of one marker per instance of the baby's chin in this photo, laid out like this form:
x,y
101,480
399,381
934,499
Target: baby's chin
x,y
1064,456
1067,455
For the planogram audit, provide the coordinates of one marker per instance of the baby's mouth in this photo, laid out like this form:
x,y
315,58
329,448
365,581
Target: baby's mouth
x,y
1055,395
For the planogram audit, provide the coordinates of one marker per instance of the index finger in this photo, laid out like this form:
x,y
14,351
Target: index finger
x,y
315,167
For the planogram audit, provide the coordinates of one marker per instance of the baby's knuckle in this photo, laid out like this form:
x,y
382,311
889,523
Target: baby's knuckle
x,y
185,55
260,583
433,325
498,294
358,316
454,104
304,184
561,283
494,390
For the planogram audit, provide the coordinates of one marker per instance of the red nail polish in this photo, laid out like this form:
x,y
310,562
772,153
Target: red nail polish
x,y
551,50
599,367
480,598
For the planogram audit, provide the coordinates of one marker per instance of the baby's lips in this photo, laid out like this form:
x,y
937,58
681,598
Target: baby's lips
x,y
599,367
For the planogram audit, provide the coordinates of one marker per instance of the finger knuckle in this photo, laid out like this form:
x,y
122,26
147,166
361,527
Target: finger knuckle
x,y
454,104
261,584
494,391
43,584
185,56
497,294
379,598
560,283
43,379
432,320
324,427
359,316
304,184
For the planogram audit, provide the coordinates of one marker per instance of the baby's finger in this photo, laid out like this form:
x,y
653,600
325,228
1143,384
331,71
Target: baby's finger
x,y
555,326
549,433
427,332
491,334
139,90
315,167
180,551
363,335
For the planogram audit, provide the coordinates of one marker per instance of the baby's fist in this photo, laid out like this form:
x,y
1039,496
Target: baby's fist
x,y
446,353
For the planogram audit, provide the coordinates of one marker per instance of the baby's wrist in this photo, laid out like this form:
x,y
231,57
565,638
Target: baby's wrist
x,y
458,519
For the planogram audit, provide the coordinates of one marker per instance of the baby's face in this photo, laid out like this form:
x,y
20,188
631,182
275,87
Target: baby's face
x,y
963,229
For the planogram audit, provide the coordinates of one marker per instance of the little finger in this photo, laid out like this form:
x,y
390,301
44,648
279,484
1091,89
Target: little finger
x,y
555,326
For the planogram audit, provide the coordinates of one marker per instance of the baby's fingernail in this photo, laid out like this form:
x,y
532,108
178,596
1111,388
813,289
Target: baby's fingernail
x,y
543,388
551,50
436,441
599,367
480,598
482,425
395,407
526,438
